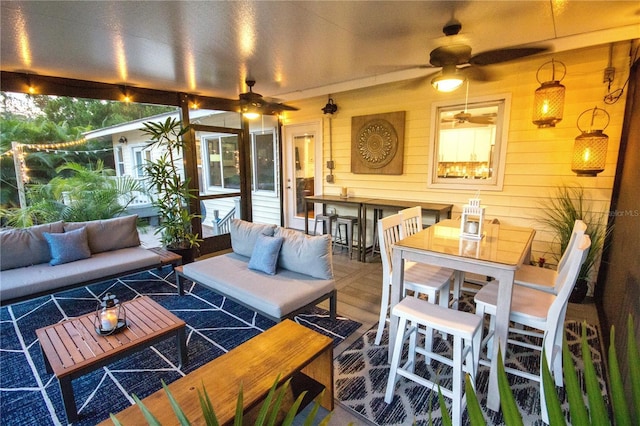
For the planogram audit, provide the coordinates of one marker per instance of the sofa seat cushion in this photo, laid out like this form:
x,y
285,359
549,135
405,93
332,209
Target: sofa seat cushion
x,y
21,282
275,295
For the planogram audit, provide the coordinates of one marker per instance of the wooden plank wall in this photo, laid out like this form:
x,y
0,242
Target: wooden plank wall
x,y
538,160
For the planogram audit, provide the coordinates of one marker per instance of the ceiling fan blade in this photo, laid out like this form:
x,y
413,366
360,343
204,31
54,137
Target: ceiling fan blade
x,y
478,74
503,55
480,120
280,107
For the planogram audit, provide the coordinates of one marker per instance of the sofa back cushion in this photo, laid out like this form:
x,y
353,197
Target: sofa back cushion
x,y
306,254
244,235
109,234
26,247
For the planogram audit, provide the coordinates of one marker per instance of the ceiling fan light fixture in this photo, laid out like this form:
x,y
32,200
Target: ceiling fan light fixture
x,y
448,81
250,114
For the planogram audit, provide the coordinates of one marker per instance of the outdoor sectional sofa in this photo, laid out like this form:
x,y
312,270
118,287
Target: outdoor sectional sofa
x,y
42,258
272,270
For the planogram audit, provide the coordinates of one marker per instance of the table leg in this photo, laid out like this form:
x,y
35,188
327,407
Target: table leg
x,y
397,281
503,308
362,233
182,347
66,389
47,364
306,217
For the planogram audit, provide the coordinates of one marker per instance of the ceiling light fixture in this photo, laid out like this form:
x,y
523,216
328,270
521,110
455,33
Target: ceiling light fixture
x,y
548,104
590,147
449,80
250,112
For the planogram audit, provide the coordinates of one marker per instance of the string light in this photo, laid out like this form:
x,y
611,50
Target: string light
x,y
20,154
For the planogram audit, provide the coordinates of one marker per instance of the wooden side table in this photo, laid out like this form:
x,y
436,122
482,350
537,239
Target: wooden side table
x,y
167,257
72,348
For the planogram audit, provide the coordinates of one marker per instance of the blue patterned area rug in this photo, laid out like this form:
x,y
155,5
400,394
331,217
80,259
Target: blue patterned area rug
x,y
361,373
30,396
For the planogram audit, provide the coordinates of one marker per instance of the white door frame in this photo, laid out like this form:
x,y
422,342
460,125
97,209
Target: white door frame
x,y
289,197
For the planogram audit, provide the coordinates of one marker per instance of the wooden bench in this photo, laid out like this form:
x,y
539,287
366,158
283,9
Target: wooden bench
x,y
287,349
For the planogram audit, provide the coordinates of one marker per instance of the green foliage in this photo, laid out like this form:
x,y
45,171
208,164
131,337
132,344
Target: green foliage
x,y
595,412
267,415
41,119
78,193
560,212
171,193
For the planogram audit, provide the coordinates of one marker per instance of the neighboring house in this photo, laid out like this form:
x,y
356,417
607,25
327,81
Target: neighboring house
x,y
217,165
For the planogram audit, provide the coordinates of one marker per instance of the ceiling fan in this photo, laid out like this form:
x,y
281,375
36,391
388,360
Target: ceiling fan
x,y
457,62
252,102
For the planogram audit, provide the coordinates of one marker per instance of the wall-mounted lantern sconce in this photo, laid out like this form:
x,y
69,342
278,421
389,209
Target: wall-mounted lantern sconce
x,y
548,105
330,107
590,147
123,140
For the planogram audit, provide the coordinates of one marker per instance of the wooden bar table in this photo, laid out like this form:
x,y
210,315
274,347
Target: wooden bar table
x,y
440,211
357,202
498,254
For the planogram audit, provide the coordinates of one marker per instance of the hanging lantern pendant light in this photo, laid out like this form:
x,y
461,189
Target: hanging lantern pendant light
x,y
548,105
590,147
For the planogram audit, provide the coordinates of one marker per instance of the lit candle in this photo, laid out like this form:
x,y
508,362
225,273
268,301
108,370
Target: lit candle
x,y
109,320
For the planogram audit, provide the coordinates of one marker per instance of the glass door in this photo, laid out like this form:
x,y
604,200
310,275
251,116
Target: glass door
x,y
303,170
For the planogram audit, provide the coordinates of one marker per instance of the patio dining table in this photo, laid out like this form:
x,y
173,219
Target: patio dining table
x,y
498,254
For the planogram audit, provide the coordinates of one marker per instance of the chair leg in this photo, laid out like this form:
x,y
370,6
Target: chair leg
x,y
456,406
384,307
395,361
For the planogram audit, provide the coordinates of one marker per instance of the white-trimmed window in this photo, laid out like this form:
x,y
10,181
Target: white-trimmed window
x,y
264,154
222,162
469,144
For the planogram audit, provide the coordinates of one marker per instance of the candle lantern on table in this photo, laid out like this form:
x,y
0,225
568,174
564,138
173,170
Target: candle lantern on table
x,y
472,218
111,316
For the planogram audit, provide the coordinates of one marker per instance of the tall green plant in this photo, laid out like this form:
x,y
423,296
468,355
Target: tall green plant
x,y
559,213
172,192
594,412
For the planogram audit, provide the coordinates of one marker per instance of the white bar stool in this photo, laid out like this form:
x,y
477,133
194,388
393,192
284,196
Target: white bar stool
x,y
466,329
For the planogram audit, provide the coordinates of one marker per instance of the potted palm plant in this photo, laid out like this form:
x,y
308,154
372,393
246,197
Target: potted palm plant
x,y
559,213
170,191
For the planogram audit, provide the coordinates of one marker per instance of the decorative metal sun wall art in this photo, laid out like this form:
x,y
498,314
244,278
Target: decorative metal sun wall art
x,y
377,143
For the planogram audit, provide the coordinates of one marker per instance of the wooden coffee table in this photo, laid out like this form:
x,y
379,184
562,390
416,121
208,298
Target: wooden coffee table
x,y
72,348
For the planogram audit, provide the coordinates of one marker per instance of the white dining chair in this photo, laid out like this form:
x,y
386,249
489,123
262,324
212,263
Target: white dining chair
x,y
411,220
542,311
432,281
545,279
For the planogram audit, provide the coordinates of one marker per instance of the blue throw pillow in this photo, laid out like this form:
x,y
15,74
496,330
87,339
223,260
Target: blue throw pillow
x,y
265,254
68,246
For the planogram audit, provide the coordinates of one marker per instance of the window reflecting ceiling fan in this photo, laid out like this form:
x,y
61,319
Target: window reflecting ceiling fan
x,y
252,102
466,117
